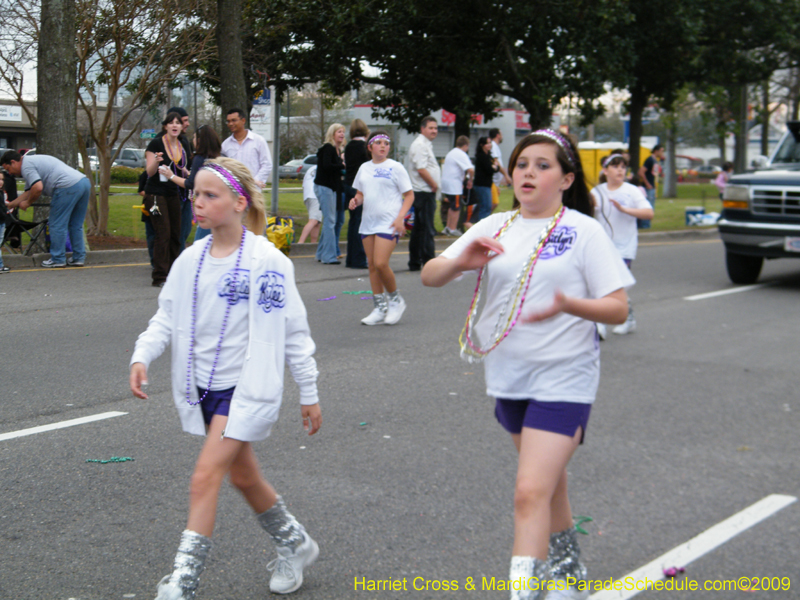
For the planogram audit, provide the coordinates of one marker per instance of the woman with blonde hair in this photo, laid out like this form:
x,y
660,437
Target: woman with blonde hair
x,y
328,189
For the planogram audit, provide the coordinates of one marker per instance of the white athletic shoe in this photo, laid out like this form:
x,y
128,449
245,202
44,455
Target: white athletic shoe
x,y
602,332
376,317
396,310
628,326
169,591
452,232
287,569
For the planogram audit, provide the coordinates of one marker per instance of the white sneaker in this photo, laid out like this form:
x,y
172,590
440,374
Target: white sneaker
x,y
396,310
168,591
376,317
601,330
452,232
628,326
567,593
287,569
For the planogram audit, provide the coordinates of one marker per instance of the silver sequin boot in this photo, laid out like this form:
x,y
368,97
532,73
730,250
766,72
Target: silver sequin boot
x,y
296,549
528,576
566,568
378,314
189,563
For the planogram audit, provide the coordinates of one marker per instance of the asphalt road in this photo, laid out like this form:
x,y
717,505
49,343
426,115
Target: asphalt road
x,y
410,477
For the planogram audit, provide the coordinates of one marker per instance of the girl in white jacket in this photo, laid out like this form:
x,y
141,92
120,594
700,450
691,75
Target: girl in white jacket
x,y
231,311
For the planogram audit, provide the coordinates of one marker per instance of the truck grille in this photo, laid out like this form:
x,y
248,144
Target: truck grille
x,y
776,202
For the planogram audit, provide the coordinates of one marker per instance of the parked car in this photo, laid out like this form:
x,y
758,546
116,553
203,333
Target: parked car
x,y
761,211
296,169
131,157
708,170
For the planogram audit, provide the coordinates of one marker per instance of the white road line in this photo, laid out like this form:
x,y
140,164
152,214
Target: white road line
x,y
61,425
736,290
700,545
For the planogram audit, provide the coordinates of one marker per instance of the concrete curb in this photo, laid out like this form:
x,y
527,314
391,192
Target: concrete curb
x,y
140,256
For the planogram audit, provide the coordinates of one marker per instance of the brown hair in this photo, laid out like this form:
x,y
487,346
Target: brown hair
x,y
577,195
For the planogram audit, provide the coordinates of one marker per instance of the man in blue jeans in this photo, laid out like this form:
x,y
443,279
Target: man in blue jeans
x,y
69,192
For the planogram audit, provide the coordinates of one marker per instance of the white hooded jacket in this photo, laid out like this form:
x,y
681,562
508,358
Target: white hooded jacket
x,y
278,334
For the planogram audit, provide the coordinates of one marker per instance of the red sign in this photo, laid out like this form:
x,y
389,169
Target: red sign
x,y
521,121
449,118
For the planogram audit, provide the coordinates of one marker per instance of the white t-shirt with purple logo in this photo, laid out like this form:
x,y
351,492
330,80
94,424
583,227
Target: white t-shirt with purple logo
x,y
214,289
383,186
556,360
621,228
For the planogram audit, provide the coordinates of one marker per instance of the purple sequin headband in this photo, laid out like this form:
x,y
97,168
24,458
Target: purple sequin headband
x,y
380,136
229,179
560,140
607,160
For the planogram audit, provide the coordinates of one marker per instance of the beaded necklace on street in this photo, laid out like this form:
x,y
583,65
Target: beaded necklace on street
x,y
231,300
469,350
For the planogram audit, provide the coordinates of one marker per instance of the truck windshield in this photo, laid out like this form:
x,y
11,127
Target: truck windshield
x,y
789,149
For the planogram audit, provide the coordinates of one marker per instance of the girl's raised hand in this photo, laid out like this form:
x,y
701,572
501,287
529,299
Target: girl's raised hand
x,y
558,306
312,417
138,379
480,251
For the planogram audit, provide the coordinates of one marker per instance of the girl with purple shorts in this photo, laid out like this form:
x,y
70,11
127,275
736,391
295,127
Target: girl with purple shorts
x,y
547,273
384,188
231,311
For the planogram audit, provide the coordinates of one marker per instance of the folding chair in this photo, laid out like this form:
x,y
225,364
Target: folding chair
x,y
37,230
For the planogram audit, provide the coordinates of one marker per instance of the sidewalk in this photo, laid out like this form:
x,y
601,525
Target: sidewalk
x,y
140,256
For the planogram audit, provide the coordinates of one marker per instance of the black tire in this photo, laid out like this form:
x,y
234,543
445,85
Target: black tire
x,y
743,268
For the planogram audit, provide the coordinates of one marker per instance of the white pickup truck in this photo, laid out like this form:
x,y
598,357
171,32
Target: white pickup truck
x,y
761,211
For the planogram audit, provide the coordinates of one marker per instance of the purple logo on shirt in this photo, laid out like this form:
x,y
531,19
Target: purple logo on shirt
x,y
561,240
239,291
271,293
383,173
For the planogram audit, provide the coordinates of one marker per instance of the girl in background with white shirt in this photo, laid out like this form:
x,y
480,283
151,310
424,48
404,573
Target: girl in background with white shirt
x,y
548,273
617,206
384,189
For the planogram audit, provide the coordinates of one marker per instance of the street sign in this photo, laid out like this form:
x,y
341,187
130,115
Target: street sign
x,y
147,134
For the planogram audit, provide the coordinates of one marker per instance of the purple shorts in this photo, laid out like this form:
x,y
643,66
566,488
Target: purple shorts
x,y
217,402
386,236
558,417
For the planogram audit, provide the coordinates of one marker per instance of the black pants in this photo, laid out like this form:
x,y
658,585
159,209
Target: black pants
x,y
356,257
421,246
167,227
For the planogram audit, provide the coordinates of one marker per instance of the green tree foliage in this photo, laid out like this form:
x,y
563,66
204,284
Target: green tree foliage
x,y
453,54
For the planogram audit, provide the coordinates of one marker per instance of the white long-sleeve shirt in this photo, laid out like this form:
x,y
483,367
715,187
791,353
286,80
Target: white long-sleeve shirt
x,y
253,152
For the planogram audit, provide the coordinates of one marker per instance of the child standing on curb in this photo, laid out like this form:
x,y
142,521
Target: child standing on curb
x,y
231,311
384,188
618,205
542,363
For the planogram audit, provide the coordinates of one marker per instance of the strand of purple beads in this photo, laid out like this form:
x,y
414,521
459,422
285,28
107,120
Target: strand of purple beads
x,y
231,301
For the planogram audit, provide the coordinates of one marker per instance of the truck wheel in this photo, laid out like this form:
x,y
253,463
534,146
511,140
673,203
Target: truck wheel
x,y
743,268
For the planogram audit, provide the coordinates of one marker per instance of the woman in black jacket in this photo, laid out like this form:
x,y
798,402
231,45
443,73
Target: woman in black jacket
x,y
355,155
328,187
485,169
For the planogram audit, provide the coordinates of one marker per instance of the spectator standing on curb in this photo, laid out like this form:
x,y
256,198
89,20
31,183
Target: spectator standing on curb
x,y
3,218
647,175
69,192
457,166
328,189
722,179
355,155
186,205
485,170
311,229
423,169
501,176
247,147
